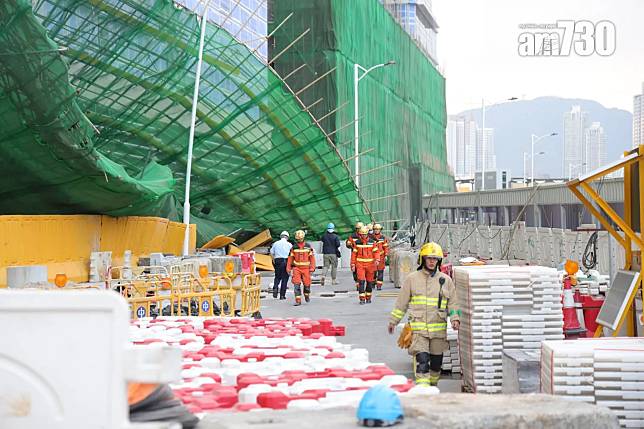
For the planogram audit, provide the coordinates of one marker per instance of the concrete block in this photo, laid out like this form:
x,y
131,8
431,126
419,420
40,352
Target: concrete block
x,y
454,411
521,371
23,276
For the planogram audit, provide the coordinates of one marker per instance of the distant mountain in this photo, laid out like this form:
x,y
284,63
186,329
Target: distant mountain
x,y
514,122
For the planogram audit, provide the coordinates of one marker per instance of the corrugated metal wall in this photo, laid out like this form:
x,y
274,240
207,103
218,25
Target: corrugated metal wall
x,y
64,243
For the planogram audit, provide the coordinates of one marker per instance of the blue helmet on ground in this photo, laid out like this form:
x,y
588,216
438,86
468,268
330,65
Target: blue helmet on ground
x,y
330,226
380,406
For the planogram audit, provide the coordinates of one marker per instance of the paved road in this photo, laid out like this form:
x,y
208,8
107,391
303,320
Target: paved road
x,y
366,325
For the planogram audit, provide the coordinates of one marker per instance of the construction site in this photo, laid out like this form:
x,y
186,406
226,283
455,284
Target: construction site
x,y
240,213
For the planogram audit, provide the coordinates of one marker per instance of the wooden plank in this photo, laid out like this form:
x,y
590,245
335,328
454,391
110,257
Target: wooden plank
x,y
218,242
261,238
263,262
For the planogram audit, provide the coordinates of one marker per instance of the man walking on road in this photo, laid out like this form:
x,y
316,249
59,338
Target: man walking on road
x,y
301,261
429,297
331,251
280,251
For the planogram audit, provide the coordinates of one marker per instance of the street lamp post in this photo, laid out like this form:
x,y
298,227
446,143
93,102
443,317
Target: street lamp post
x,y
574,166
535,140
483,139
525,173
356,79
191,137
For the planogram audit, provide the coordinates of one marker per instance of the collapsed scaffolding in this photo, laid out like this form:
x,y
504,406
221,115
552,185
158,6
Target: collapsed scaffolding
x,y
94,98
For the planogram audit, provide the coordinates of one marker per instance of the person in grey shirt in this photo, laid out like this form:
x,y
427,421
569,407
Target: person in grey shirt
x,y
279,252
331,251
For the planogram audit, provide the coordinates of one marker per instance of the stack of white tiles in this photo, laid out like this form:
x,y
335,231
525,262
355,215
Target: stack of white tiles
x,y
605,371
504,307
567,369
525,328
451,359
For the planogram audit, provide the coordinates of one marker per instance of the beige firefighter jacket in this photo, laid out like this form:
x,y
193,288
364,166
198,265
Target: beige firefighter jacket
x,y
419,297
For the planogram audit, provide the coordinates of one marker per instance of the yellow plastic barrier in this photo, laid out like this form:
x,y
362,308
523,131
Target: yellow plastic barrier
x,y
178,288
149,293
250,293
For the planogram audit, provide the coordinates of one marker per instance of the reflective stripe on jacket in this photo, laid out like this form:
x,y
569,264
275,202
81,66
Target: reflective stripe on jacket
x,y
365,251
301,256
419,298
383,244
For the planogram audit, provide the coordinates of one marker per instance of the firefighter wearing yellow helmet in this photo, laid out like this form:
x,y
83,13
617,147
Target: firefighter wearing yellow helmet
x,y
383,244
429,297
351,243
301,261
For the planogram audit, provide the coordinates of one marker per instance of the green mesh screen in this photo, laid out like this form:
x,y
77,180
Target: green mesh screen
x,y
402,107
95,100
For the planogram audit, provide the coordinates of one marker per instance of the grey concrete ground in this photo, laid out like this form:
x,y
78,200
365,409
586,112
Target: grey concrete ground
x,y
455,411
366,325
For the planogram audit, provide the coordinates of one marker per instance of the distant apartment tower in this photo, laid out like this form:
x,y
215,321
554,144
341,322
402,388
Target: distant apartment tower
x,y
416,17
461,146
246,20
638,119
595,147
485,150
575,124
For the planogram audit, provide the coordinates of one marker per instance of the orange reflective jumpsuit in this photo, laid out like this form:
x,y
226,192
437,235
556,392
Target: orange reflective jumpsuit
x,y
301,261
351,243
383,246
365,257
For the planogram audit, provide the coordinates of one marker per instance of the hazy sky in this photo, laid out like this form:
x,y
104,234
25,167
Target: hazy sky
x,y
478,52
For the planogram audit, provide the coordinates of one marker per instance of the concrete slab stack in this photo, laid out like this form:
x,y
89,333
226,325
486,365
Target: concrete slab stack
x,y
504,308
605,371
451,358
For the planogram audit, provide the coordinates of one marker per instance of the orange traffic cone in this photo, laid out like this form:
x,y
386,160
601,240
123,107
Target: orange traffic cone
x,y
571,328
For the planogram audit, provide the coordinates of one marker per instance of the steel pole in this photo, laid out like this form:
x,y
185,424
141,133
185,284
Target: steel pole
x,y
483,147
355,126
532,163
191,138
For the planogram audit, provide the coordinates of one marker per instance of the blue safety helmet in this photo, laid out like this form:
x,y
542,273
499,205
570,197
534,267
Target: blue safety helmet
x,y
330,227
380,406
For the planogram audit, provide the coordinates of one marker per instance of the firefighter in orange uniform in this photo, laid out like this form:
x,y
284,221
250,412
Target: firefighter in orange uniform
x,y
350,243
383,246
365,258
301,263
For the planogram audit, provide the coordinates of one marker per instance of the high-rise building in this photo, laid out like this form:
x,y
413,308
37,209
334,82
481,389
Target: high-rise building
x,y
461,146
416,17
575,124
595,147
638,119
246,20
485,149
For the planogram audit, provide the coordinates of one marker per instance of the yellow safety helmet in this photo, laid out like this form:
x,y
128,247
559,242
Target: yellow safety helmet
x,y
377,227
299,235
432,250
364,230
359,225
370,226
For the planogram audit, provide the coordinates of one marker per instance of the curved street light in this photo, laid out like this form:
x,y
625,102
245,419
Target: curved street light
x,y
535,140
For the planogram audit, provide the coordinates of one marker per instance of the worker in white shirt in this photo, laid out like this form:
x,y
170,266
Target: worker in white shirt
x,y
279,252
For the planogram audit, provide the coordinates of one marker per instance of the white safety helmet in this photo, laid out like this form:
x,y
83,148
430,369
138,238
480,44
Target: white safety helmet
x,y
284,234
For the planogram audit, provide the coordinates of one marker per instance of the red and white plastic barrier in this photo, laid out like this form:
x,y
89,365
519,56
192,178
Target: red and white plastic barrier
x,y
247,364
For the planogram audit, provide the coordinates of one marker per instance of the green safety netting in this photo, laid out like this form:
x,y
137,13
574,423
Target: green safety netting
x,y
402,107
95,99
